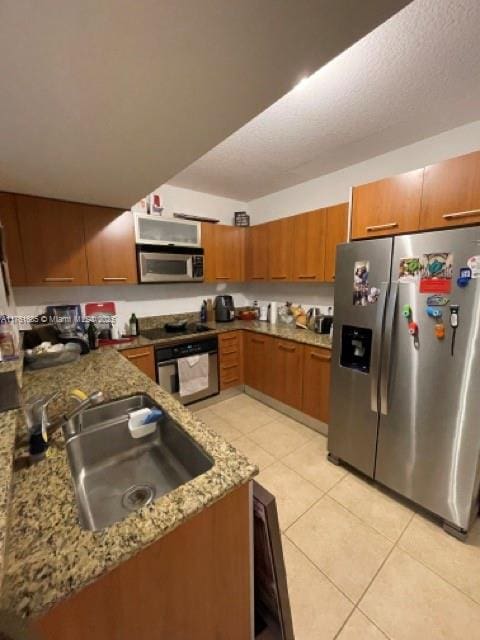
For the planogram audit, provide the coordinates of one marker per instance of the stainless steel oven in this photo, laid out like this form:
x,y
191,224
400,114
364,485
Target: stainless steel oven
x,y
167,368
169,264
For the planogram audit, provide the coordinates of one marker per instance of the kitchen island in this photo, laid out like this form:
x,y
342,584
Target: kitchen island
x,y
51,563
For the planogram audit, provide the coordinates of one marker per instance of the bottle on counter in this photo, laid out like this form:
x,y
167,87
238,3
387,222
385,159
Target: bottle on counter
x,y
203,311
133,323
92,336
210,316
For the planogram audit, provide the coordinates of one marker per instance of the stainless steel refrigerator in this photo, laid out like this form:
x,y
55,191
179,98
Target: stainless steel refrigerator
x,y
405,390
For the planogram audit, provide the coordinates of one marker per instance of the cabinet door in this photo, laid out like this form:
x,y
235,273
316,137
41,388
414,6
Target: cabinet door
x,y
13,245
280,245
224,249
258,351
143,358
288,372
451,193
256,266
53,241
316,383
231,359
110,244
309,246
229,253
387,207
208,244
336,233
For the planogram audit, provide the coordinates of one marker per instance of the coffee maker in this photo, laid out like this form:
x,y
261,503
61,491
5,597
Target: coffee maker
x,y
224,309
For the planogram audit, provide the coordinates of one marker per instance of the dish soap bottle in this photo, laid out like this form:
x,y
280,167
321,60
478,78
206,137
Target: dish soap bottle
x,y
133,322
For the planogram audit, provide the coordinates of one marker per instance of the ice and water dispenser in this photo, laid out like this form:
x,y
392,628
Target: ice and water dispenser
x,y
356,348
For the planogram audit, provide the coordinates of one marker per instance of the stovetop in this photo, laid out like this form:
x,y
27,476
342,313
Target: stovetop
x,y
160,332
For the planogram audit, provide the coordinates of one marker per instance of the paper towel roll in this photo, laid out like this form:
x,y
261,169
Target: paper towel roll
x,y
273,312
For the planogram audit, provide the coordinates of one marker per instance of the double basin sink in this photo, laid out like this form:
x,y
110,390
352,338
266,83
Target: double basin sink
x,y
113,473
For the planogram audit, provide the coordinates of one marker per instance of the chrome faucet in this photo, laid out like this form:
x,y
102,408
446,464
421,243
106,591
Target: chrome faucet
x,y
70,429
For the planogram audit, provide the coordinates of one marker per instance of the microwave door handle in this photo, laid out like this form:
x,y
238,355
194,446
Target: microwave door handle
x,y
387,348
190,266
376,347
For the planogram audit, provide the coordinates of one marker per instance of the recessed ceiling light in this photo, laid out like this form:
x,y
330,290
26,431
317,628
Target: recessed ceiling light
x,y
302,82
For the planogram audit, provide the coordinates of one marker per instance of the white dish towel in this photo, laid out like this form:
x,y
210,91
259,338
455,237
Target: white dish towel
x,y
193,374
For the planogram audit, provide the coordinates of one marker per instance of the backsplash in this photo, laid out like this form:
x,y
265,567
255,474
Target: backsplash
x,y
170,299
143,300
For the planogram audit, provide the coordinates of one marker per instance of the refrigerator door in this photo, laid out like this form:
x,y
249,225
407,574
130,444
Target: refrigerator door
x,y
429,434
361,286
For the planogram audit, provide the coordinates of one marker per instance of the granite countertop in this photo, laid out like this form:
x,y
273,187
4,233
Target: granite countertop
x,y
8,427
48,555
279,330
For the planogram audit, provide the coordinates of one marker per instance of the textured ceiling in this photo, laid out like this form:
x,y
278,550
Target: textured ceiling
x,y
101,101
416,75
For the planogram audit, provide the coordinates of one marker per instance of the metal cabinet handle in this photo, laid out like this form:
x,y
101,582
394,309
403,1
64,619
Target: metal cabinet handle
x,y
302,277
379,227
257,277
318,356
222,278
461,214
258,340
58,279
134,356
230,366
279,277
285,348
114,279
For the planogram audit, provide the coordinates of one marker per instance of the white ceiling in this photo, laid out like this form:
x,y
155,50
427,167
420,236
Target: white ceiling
x,y
101,101
416,75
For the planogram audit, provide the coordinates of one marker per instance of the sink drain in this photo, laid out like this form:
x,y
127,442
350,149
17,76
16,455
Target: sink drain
x,y
138,496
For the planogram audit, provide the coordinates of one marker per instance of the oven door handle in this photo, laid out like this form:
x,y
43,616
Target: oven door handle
x,y
190,266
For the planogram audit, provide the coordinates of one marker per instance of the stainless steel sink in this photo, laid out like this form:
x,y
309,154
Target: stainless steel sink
x,y
114,473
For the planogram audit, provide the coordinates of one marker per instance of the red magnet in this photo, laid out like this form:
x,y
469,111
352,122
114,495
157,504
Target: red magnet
x,y
412,328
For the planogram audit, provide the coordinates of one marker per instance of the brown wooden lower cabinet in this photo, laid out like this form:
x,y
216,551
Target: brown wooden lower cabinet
x,y
230,347
143,358
259,370
316,382
295,374
192,583
287,363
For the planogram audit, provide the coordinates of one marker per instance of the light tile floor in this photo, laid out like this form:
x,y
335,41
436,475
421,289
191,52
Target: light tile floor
x,y
360,564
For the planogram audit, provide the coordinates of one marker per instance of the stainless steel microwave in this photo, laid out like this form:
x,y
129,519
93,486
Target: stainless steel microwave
x,y
175,264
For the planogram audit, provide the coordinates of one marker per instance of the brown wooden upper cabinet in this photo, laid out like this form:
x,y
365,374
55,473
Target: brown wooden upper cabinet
x,y
224,248
451,192
309,246
256,260
336,233
280,249
53,241
13,245
387,207
110,246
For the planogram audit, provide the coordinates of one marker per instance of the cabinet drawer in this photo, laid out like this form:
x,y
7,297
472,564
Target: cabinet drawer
x,y
230,375
229,358
230,341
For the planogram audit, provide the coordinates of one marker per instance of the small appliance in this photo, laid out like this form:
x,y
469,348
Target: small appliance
x,y
172,264
224,309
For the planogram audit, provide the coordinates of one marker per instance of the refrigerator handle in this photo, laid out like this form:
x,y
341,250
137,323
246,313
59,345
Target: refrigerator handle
x,y
376,348
387,348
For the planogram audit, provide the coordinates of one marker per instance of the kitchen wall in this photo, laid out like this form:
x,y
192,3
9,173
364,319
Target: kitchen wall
x,y
143,300
308,294
335,187
179,200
